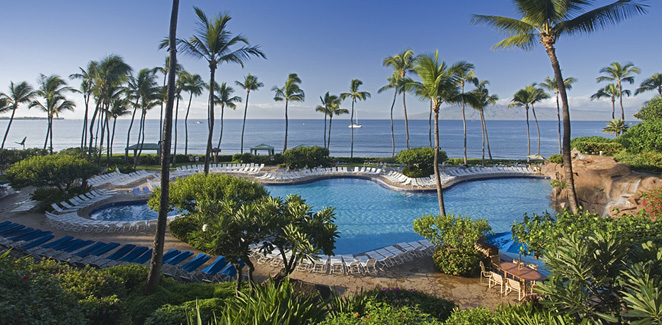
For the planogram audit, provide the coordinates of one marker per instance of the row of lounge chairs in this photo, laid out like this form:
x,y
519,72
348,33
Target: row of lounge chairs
x,y
71,221
219,168
142,191
450,174
81,201
403,180
116,178
297,174
460,172
99,254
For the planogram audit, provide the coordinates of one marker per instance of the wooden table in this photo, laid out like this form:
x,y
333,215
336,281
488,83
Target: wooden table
x,y
523,273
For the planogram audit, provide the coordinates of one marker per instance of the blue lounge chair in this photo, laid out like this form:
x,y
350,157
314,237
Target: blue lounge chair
x,y
179,258
58,242
136,191
75,245
23,233
146,190
36,235
144,257
170,254
216,266
134,254
37,242
195,263
229,270
105,249
11,230
90,249
5,223
121,252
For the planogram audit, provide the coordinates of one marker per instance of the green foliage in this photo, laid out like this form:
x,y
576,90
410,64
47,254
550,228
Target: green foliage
x,y
526,313
133,276
419,161
184,228
382,313
274,304
104,310
301,157
593,139
652,202
258,159
168,314
436,307
643,137
10,156
46,196
558,183
652,110
61,171
78,152
644,161
594,148
451,231
557,159
459,262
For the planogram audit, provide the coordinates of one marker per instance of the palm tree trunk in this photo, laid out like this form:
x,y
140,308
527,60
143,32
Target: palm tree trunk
x,y
528,136
83,137
96,132
351,148
487,138
128,133
251,269
395,96
482,126
102,125
567,159
210,118
558,117
188,109
286,126
11,119
440,194
430,124
330,120
94,116
464,127
535,118
140,131
154,274
620,100
613,108
243,127
324,134
220,136
174,149
50,126
48,131
109,150
112,138
404,106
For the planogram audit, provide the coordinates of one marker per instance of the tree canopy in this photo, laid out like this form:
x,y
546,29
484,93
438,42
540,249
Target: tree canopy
x,y
61,171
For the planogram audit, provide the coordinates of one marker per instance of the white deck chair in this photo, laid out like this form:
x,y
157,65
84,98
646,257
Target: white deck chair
x,y
496,279
514,285
336,265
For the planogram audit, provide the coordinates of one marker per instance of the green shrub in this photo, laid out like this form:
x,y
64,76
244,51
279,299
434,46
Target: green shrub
x,y
652,202
104,310
61,171
89,281
478,315
594,148
437,307
177,314
644,161
182,227
417,172
10,156
133,276
382,313
419,161
643,137
557,159
558,183
593,139
310,157
652,110
47,196
459,262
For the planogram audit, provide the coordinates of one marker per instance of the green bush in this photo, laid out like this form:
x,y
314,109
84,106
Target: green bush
x,y
478,315
557,159
459,262
61,171
182,227
382,313
594,148
593,139
47,196
643,137
133,276
310,157
558,183
644,161
419,161
652,110
397,297
177,314
104,310
10,156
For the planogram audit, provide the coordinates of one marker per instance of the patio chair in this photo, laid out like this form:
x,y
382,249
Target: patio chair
x,y
514,285
496,279
484,273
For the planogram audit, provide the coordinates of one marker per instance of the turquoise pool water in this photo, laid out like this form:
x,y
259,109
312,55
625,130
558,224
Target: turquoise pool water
x,y
370,216
125,211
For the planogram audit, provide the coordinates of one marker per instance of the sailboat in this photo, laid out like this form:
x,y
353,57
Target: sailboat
x,y
355,125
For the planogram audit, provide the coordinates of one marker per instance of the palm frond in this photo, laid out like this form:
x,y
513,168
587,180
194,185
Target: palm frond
x,y
509,26
602,17
523,41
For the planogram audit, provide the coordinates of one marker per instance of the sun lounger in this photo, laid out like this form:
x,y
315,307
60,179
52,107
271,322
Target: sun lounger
x,y
135,253
195,263
215,267
178,258
144,258
121,252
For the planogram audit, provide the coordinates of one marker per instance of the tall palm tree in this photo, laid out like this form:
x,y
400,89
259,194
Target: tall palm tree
x,y
250,83
290,92
118,107
355,94
620,74
521,98
324,110
52,89
611,91
154,274
615,127
144,85
527,97
180,83
439,84
147,101
479,99
465,73
18,94
225,99
401,64
654,82
217,45
392,84
551,85
546,21
537,94
332,103
86,88
193,84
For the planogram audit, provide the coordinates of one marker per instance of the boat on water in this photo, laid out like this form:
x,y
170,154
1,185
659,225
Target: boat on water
x,y
197,122
355,124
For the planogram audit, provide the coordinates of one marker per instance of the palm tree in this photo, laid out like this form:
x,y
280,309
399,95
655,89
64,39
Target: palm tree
x,y
139,87
438,83
550,84
324,110
392,84
479,99
620,74
18,94
156,262
537,94
148,100
118,107
193,84
545,21
401,64
355,94
465,74
332,102
86,88
225,99
250,83
615,127
527,97
291,91
217,45
52,89
180,83
652,83
611,91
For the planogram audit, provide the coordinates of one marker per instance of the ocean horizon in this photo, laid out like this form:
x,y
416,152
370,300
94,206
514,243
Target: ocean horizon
x,y
507,138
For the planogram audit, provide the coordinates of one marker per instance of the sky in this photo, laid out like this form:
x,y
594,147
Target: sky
x,y
327,43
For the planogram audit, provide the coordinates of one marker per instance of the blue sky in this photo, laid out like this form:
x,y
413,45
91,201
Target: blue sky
x,y
327,43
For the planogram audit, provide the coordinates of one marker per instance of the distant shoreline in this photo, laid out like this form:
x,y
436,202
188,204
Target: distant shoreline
x,y
31,118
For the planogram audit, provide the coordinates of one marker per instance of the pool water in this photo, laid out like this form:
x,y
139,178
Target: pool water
x,y
126,211
370,216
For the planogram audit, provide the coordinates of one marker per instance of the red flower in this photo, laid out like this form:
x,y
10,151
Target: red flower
x,y
25,278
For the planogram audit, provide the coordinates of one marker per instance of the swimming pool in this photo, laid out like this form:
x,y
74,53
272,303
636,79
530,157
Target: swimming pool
x,y
370,216
126,211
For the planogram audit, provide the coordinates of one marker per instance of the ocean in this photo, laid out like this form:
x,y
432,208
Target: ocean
x,y
507,138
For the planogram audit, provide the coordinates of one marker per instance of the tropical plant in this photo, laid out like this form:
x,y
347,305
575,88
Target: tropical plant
x,y
479,99
546,22
355,94
610,91
118,107
213,42
651,110
86,88
618,73
551,85
290,92
193,84
18,94
330,106
418,161
306,157
402,63
52,90
225,99
180,80
643,137
61,171
438,83
150,98
465,74
144,85
615,127
250,83
393,83
654,82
